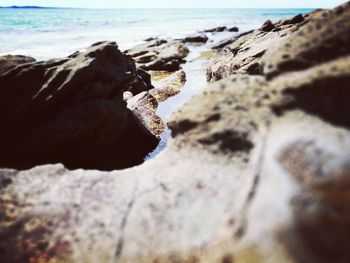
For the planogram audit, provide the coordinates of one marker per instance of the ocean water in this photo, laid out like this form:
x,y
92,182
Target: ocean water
x,y
48,33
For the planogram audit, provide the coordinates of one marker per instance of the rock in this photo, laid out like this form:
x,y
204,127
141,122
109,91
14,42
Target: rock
x,y
144,106
216,29
196,38
325,40
257,170
150,39
169,86
141,83
244,53
13,61
233,29
159,55
223,43
295,20
224,194
71,112
268,26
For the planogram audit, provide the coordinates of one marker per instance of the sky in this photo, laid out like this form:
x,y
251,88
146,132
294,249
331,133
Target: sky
x,y
177,3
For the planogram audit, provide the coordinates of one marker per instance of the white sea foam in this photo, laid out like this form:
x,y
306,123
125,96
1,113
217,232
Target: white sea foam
x,y
49,33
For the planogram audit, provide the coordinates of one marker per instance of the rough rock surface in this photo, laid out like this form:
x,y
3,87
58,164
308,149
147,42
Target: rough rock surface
x,y
258,170
169,86
159,54
244,53
144,106
70,111
324,38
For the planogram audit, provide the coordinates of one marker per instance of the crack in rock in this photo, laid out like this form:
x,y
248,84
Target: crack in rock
x,y
123,224
252,192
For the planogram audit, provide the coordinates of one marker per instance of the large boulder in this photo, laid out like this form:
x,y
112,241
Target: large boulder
x,y
159,55
257,170
70,110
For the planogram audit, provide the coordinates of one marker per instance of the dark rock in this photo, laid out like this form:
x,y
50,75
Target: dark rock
x,y
197,38
267,26
277,29
216,29
233,29
71,111
150,39
141,83
295,20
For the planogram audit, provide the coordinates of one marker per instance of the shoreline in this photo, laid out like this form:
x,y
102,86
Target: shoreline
x,y
75,30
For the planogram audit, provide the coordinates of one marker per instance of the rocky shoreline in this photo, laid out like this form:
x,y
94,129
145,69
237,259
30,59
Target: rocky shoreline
x,y
257,168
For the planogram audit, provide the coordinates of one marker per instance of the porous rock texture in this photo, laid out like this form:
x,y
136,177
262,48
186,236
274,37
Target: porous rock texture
x,y
159,54
244,53
144,106
258,170
169,86
71,111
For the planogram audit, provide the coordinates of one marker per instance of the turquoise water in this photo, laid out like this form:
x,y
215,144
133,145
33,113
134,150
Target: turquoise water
x,y
47,33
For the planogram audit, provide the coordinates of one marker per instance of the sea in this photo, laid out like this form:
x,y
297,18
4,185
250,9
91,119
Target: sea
x,y
45,33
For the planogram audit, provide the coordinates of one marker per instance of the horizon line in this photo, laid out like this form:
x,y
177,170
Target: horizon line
x,y
126,8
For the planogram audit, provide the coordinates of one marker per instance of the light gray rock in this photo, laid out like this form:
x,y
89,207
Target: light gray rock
x,y
144,106
159,55
169,86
